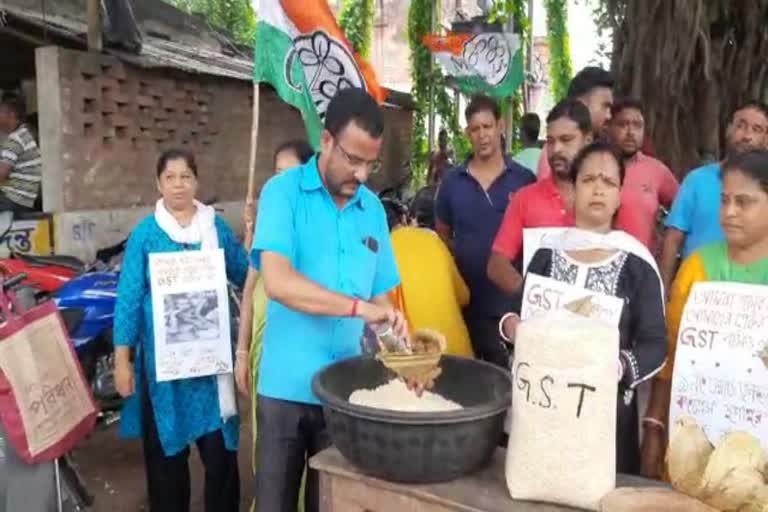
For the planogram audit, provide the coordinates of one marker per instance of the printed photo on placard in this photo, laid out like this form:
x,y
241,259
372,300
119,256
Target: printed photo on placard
x,y
191,314
192,317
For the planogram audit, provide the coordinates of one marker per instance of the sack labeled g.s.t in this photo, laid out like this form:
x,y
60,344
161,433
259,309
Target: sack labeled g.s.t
x,y
46,406
562,440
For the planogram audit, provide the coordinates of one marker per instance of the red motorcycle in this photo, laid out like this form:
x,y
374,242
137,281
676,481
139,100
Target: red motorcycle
x,y
44,273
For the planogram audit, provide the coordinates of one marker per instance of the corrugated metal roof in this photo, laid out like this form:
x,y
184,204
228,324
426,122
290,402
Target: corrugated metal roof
x,y
160,53
156,52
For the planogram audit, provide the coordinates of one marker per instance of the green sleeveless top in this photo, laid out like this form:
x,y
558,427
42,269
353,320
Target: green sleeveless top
x,y
719,267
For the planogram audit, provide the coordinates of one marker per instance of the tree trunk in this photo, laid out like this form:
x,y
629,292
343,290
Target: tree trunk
x,y
691,62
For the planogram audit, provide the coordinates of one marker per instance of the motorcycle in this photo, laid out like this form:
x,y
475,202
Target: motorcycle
x,y
87,307
48,273
44,273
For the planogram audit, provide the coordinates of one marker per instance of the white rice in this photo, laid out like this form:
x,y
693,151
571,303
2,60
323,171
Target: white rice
x,y
396,396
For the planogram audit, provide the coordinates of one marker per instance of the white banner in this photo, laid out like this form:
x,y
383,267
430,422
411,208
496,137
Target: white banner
x,y
720,376
190,314
544,294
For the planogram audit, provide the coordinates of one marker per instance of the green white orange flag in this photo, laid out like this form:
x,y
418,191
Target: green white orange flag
x,y
301,51
489,63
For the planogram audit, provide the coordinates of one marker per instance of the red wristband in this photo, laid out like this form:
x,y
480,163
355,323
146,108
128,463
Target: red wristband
x,y
354,307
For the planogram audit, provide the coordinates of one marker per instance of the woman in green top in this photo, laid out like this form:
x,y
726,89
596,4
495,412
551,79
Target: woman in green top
x,y
742,258
254,307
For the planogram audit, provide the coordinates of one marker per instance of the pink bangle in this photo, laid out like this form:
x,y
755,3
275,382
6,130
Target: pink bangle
x,y
654,422
354,307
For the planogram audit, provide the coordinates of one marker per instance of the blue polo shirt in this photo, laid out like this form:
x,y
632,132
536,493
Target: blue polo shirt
x,y
347,251
696,210
475,215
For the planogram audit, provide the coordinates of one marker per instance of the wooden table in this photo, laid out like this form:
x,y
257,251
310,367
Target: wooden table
x,y
344,488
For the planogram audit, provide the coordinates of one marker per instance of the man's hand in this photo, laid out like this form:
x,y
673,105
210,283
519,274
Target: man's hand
x,y
423,382
374,315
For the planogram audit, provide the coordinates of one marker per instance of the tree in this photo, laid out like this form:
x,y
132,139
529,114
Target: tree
x,y
691,63
356,20
234,16
560,67
419,25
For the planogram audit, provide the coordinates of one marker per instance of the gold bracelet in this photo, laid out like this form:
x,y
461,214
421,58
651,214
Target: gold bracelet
x,y
241,352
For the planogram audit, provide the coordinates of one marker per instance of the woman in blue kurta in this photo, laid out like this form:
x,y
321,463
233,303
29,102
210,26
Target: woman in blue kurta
x,y
169,416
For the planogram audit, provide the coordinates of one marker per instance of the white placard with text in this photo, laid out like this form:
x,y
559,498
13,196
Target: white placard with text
x,y
190,314
544,294
720,378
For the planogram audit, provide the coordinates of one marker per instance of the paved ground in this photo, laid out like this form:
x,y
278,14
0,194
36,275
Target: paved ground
x,y
113,471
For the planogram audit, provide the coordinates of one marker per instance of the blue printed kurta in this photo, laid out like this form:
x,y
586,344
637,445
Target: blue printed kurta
x,y
186,409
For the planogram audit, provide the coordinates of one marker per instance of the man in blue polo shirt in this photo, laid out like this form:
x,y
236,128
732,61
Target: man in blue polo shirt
x,y
469,207
694,219
322,245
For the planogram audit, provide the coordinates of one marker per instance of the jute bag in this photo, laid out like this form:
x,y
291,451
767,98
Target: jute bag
x,y
562,440
45,403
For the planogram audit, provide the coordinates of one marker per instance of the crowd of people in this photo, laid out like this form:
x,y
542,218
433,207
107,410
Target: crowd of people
x,y
326,258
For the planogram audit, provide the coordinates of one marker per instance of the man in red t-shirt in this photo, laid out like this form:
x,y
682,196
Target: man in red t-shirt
x,y
546,203
648,183
593,86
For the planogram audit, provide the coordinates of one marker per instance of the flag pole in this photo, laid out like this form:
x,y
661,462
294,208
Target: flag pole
x,y
254,143
510,28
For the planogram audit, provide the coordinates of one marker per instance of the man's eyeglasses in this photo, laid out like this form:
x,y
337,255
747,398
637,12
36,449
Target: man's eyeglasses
x,y
372,166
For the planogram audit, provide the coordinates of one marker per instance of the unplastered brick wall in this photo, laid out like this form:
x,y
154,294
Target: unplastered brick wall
x,y
115,119
103,124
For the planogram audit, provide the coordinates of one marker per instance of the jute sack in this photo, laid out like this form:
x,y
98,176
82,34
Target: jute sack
x,y
562,441
45,402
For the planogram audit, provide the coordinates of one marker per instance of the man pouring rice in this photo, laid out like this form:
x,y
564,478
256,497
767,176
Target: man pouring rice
x,y
322,246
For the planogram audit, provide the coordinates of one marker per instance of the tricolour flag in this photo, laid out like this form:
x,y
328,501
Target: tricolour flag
x,y
302,52
489,62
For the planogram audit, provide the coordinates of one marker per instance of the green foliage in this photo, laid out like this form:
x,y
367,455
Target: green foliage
x,y
447,108
560,67
356,20
234,16
419,25
518,10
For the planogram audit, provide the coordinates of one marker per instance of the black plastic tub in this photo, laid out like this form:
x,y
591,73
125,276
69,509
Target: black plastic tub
x,y
414,447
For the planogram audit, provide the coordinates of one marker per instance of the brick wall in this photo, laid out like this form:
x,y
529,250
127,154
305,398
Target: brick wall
x,y
103,124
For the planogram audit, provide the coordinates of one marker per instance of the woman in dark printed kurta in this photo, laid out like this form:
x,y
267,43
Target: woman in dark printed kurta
x,y
599,262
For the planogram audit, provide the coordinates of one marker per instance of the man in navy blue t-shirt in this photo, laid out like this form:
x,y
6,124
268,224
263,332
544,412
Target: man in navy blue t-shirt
x,y
469,207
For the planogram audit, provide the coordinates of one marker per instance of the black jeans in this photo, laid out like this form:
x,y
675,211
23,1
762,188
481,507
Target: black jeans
x,y
289,433
486,340
168,483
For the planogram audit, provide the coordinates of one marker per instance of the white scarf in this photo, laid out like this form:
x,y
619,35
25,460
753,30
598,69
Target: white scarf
x,y
202,230
577,239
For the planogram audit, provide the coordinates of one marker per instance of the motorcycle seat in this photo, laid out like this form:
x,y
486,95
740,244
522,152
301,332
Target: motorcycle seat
x,y
58,260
